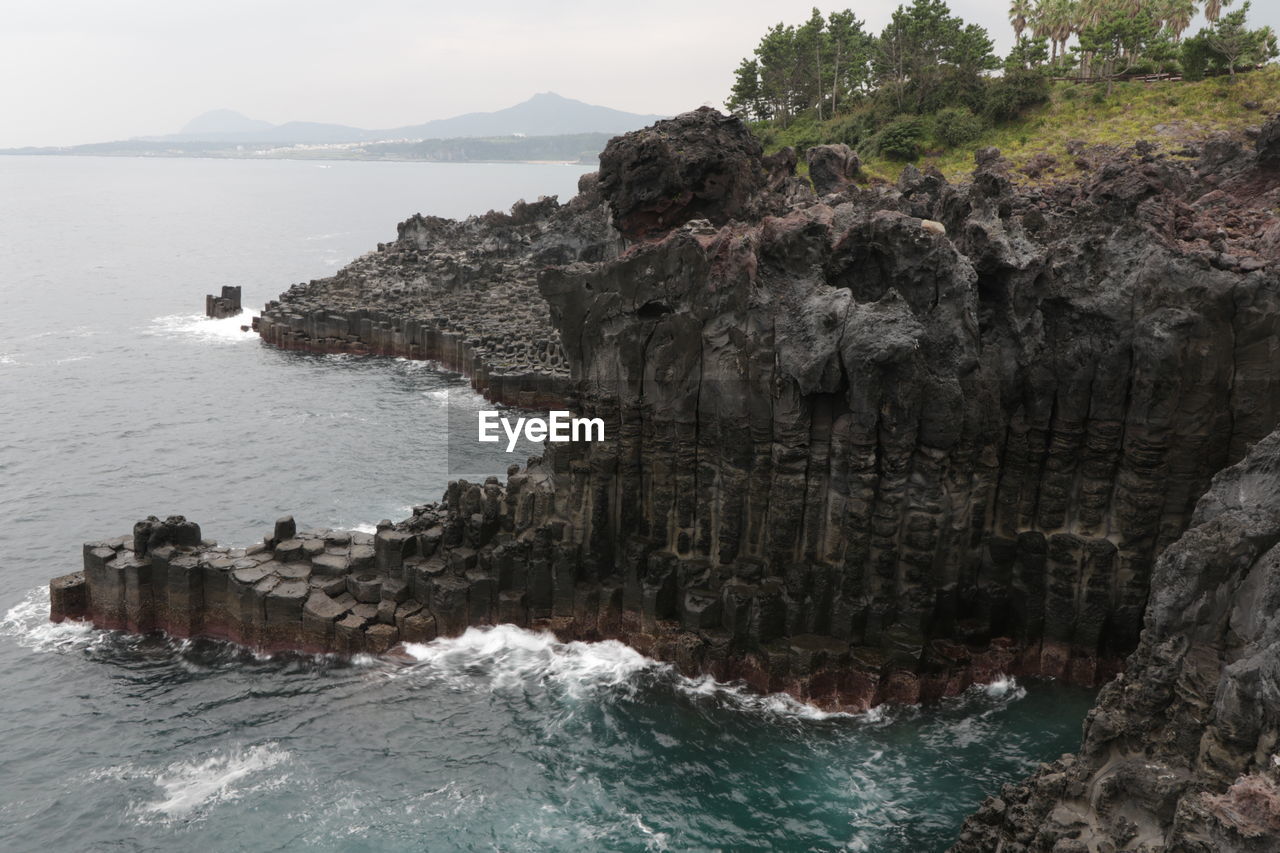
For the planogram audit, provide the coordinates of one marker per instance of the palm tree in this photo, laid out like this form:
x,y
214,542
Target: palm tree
x,y
1036,21
1019,12
1091,12
1044,24
1059,23
1176,15
1213,9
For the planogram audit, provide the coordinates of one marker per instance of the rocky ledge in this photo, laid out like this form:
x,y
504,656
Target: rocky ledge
x,y
864,443
463,294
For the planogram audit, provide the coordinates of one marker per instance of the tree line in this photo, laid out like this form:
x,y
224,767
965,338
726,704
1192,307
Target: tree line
x,y
1117,37
829,65
927,60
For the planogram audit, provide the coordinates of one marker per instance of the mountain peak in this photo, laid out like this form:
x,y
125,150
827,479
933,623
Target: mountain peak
x,y
224,121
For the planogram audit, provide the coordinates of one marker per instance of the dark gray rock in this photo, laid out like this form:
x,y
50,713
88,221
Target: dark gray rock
x,y
698,165
832,168
1178,753
1268,142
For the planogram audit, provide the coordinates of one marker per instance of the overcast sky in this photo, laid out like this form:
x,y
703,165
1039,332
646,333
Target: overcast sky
x,y
74,71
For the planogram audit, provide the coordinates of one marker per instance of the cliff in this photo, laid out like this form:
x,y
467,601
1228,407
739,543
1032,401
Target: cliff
x,y
864,444
1180,752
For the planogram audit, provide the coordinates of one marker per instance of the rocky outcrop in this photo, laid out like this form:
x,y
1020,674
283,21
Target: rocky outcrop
x,y
1180,753
1268,144
460,293
867,447
699,165
832,168
226,305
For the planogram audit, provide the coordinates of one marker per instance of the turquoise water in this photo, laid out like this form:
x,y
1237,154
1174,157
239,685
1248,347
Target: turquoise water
x,y
120,401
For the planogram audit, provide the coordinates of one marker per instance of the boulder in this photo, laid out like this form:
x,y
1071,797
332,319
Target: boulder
x,y
1268,143
832,168
698,165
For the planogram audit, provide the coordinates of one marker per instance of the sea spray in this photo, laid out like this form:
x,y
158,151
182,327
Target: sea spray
x,y
505,657
204,329
190,787
27,623
508,657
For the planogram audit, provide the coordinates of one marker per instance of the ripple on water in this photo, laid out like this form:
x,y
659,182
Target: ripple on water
x,y
187,791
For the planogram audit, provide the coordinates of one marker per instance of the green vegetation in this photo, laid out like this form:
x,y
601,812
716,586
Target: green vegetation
x,y
1165,112
930,87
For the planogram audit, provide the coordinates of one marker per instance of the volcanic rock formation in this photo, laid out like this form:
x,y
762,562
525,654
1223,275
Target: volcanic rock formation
x,y
226,305
460,293
1180,753
870,446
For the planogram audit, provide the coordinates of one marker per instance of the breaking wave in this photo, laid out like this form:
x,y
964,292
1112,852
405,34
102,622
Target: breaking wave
x,y
205,328
27,623
507,658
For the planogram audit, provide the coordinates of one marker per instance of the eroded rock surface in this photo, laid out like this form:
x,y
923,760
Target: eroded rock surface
x,y
1180,753
832,168
699,165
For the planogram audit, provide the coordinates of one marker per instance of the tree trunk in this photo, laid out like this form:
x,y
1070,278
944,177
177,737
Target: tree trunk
x,y
835,82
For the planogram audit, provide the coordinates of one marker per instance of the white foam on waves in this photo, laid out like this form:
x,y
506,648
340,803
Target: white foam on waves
x,y
28,624
512,656
1004,687
191,787
204,328
772,704
506,657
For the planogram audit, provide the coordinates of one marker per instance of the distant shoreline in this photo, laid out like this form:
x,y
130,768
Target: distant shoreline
x,y
570,148
261,159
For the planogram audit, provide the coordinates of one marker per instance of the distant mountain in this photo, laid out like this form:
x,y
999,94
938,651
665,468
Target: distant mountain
x,y
223,121
229,126
547,114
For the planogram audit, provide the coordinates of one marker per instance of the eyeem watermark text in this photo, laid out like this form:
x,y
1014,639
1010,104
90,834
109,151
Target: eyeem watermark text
x,y
558,426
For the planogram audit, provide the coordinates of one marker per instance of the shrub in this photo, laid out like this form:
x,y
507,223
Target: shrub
x,y
854,130
954,126
951,87
766,134
1014,93
901,138
803,134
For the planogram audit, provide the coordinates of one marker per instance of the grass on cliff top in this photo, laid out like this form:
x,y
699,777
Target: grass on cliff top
x,y
1166,113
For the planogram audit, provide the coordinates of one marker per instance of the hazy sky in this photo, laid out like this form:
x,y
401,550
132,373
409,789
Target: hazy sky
x,y
75,71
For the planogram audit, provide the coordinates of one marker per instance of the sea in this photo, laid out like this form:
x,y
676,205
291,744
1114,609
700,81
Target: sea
x,y
118,400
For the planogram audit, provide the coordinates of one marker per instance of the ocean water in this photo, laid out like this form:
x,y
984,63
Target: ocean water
x,y
117,400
